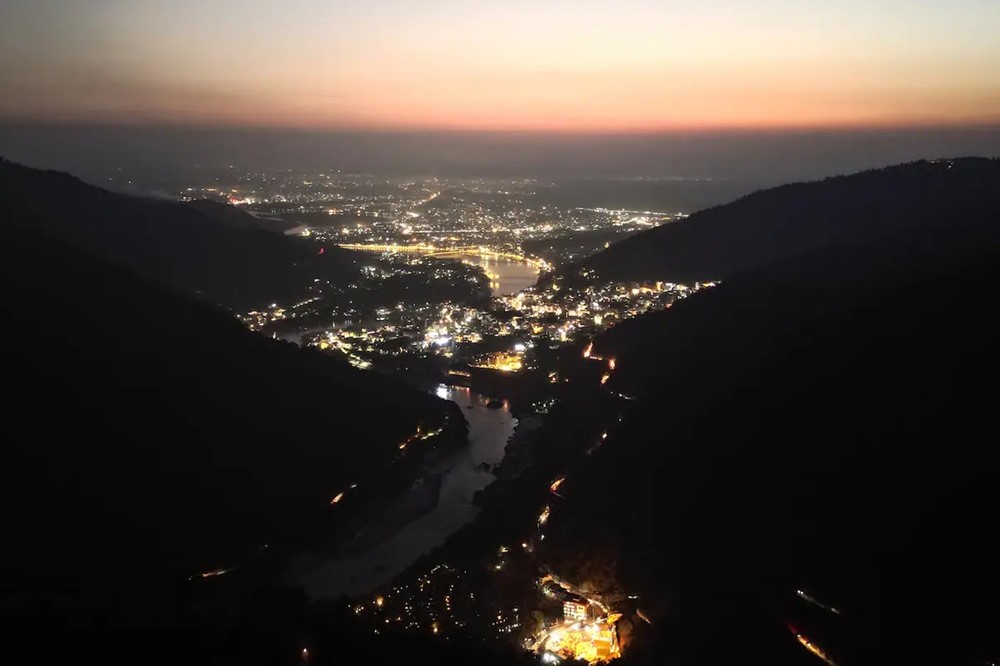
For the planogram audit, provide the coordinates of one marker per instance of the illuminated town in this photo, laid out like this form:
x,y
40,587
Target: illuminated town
x,y
501,333
519,217
452,270
441,603
498,333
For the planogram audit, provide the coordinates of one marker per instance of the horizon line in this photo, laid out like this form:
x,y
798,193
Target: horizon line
x,y
59,123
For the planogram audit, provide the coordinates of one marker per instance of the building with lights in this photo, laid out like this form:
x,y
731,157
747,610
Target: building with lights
x,y
574,611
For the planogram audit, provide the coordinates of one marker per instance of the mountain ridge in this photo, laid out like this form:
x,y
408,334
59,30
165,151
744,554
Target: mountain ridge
x,y
771,224
811,422
220,253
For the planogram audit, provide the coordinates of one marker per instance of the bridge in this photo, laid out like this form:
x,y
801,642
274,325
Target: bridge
x,y
449,252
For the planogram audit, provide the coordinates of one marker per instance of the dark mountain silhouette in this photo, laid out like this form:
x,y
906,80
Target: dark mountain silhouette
x,y
824,422
785,221
202,247
153,436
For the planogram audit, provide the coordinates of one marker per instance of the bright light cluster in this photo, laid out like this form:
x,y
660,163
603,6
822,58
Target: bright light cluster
x,y
592,642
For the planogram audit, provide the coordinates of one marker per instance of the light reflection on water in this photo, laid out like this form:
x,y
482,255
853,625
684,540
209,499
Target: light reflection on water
x,y
507,276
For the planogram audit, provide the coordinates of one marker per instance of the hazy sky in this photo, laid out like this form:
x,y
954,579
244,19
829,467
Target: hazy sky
x,y
575,65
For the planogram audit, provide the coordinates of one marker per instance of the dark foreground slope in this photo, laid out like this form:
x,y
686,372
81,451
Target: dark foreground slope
x,y
785,221
201,247
149,435
824,423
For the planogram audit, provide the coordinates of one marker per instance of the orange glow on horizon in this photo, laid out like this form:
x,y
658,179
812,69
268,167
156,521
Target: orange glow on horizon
x,y
580,102
485,66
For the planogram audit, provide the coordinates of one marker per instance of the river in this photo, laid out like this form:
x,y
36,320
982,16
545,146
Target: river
x,y
462,476
507,276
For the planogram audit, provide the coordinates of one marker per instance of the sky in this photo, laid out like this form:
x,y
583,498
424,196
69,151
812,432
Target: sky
x,y
511,65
